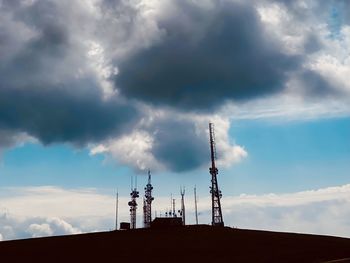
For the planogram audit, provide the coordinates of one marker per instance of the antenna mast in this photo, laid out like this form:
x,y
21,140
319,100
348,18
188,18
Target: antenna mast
x,y
174,213
214,189
133,206
147,203
182,211
116,211
195,205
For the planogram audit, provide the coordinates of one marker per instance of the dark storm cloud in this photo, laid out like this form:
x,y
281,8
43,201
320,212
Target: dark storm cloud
x,y
7,139
53,115
178,146
37,60
316,85
205,58
41,94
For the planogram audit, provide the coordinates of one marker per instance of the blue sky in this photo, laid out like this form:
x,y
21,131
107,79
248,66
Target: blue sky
x,y
95,92
295,156
282,157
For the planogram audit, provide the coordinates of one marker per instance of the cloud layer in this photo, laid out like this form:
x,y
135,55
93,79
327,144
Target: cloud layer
x,y
205,57
322,211
105,73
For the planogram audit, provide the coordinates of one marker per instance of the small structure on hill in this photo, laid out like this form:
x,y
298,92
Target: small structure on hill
x,y
124,226
166,222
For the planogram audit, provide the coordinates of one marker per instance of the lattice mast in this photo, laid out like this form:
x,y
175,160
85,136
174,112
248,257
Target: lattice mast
x,y
147,203
182,211
133,206
214,189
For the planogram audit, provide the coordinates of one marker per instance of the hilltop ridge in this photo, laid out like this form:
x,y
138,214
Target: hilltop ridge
x,y
189,243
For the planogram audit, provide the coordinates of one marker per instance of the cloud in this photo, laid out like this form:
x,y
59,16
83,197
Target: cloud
x,y
43,211
206,56
54,115
179,146
322,211
39,211
16,227
9,139
47,89
64,93
83,73
171,141
52,226
37,230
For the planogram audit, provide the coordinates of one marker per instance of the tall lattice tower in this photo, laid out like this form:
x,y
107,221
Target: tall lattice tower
x,y
133,206
214,189
147,203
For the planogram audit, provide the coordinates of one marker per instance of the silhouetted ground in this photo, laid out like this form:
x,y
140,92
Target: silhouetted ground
x,y
186,244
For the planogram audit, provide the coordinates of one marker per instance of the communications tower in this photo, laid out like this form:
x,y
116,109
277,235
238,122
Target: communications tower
x,y
182,211
214,189
147,203
133,206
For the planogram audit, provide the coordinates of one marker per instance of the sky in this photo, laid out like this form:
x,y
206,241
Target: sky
x,y
95,92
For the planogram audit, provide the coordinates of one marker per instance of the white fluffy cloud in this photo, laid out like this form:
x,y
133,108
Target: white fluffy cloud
x,y
161,133
41,230
52,226
42,211
322,211
17,227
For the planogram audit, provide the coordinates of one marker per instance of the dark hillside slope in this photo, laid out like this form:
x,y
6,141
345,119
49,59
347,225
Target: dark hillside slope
x,y
189,244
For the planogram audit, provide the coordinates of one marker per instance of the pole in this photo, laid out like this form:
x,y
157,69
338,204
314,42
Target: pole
x,y
116,212
195,205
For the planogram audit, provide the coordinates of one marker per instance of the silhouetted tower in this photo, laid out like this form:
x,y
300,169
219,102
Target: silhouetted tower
x,y
214,189
133,206
172,212
116,211
144,211
195,205
182,211
147,203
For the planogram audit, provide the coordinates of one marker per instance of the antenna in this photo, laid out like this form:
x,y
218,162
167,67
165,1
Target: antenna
x,y
174,213
195,205
182,211
147,203
133,206
171,204
116,211
214,189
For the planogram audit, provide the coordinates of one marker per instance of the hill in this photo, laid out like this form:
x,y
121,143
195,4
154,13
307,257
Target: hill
x,y
188,244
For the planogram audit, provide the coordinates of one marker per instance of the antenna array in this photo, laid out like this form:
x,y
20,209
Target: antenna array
x,y
133,204
214,189
147,203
